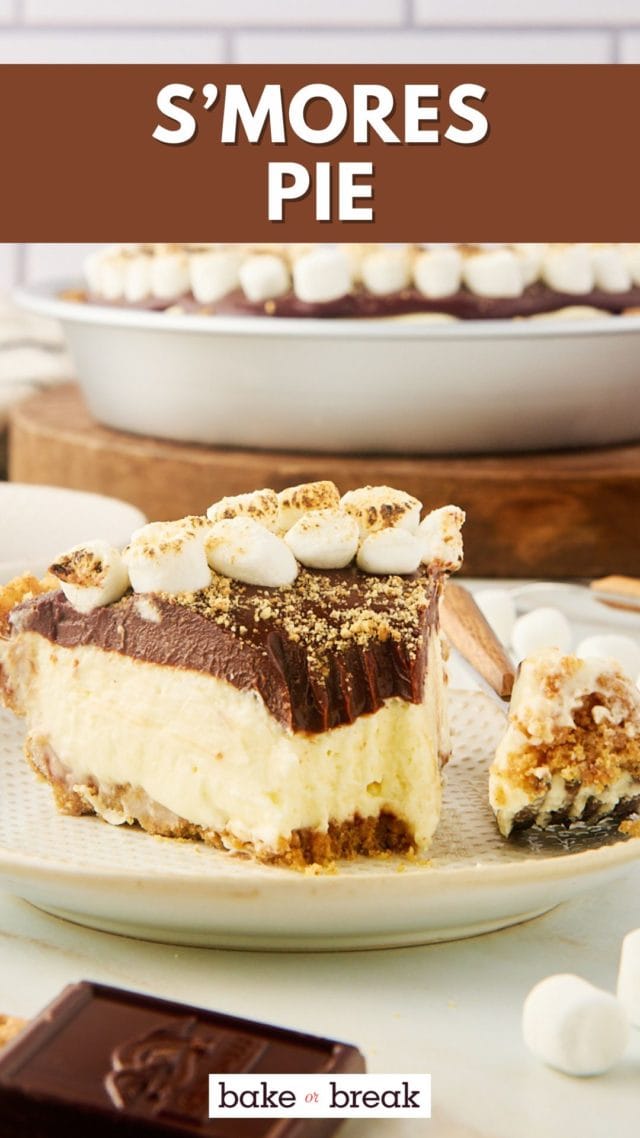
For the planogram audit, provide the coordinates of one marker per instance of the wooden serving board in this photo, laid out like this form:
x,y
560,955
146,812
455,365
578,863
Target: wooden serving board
x,y
557,514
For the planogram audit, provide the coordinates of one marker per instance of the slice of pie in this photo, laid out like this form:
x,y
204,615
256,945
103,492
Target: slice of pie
x,y
571,751
208,684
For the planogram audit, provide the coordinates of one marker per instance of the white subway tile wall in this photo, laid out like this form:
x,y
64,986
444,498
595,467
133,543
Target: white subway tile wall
x,y
423,47
300,31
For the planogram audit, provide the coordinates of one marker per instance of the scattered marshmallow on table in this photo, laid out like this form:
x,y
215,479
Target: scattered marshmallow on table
x,y
247,551
573,1026
613,646
629,976
498,608
91,575
543,627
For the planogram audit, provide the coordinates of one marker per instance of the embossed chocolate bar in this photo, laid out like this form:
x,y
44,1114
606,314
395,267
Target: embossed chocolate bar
x,y
101,1061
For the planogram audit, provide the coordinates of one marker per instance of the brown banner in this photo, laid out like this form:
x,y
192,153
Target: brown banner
x,y
555,160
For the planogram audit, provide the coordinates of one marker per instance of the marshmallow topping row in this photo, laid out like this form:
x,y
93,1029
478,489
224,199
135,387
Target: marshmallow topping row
x,y
262,538
322,273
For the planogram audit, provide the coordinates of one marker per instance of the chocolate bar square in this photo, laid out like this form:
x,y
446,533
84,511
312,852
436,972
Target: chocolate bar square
x,y
101,1061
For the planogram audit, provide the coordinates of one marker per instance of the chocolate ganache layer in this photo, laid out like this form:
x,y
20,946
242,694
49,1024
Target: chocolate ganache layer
x,y
321,652
464,304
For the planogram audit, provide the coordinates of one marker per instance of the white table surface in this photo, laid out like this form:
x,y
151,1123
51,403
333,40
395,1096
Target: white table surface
x,y
450,1009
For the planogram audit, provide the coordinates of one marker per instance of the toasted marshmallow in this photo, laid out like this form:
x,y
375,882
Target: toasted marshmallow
x,y
568,268
440,537
247,551
629,976
386,270
493,273
438,272
324,539
631,253
573,1026
612,646
544,627
91,575
355,253
214,273
389,551
610,269
264,277
261,505
137,277
168,557
92,268
105,271
382,507
323,275
531,255
169,273
295,501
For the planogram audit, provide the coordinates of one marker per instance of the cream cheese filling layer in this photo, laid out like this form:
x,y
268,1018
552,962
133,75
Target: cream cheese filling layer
x,y
215,756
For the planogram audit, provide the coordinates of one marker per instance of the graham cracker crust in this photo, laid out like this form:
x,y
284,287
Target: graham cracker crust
x,y
374,836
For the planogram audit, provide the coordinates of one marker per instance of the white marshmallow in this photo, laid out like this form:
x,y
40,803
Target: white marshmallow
x,y
261,505
440,537
169,274
631,253
498,607
92,268
382,507
543,627
168,557
389,551
438,272
531,255
137,277
386,270
629,976
610,269
568,268
214,273
573,1026
494,274
624,649
324,539
295,501
323,275
91,575
264,277
249,552
105,272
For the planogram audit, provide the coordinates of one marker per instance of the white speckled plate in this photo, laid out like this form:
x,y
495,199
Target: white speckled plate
x,y
126,881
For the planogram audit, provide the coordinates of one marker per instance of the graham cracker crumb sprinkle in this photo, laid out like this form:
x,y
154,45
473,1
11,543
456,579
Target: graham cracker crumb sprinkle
x,y
326,612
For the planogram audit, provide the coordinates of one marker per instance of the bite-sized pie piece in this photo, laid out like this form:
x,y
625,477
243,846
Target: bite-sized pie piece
x,y
463,281
241,677
571,751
